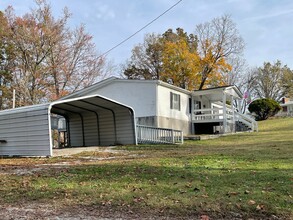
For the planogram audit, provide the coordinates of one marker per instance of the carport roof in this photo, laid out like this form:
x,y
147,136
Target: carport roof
x,y
91,103
76,105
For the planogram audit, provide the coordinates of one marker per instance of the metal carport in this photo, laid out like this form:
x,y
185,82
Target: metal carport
x,y
91,121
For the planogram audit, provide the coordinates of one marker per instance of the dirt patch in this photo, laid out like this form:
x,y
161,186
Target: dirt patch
x,y
77,150
66,157
51,212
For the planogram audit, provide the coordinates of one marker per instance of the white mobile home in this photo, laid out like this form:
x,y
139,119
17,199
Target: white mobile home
x,y
161,105
90,121
156,103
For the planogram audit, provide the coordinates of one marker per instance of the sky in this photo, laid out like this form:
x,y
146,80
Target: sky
x,y
265,25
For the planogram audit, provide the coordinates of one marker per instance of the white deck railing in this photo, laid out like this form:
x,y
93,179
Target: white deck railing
x,y
208,114
217,114
153,135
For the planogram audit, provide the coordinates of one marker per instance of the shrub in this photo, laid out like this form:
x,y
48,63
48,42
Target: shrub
x,y
264,108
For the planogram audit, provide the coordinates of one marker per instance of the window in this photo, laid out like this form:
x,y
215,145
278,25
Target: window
x,y
174,101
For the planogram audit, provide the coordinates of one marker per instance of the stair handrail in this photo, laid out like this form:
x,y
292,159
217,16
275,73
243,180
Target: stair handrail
x,y
247,120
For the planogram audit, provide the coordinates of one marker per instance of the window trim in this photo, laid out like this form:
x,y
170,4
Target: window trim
x,y
175,104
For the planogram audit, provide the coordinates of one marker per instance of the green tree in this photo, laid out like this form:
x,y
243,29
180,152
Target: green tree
x,y
264,108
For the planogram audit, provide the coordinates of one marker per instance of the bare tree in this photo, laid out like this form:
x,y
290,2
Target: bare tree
x,y
218,40
74,63
246,83
237,71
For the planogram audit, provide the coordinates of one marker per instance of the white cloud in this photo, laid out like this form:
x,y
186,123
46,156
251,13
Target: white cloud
x,y
273,14
104,12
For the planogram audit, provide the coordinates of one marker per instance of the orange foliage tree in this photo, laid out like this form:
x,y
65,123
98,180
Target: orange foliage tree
x,y
180,65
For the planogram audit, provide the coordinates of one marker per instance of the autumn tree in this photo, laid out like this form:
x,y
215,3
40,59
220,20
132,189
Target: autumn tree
x,y
215,47
146,59
74,64
51,60
5,64
218,40
179,64
151,60
272,81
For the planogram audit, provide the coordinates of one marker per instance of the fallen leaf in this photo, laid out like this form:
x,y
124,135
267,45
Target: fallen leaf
x,y
260,207
232,193
251,202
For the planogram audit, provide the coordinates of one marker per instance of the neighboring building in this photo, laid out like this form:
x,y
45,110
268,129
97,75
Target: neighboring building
x,y
287,107
161,105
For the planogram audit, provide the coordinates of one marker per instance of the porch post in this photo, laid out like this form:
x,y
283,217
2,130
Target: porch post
x,y
192,115
233,112
224,113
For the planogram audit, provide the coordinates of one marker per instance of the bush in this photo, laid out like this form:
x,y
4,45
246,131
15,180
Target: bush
x,y
264,108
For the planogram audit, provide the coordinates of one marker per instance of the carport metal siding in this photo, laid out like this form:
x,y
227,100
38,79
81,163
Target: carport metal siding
x,y
26,132
124,121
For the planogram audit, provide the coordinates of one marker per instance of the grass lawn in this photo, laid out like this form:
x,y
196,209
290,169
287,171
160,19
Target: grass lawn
x,y
241,176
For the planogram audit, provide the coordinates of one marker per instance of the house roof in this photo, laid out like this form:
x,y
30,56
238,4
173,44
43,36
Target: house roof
x,y
232,90
218,91
110,80
287,103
